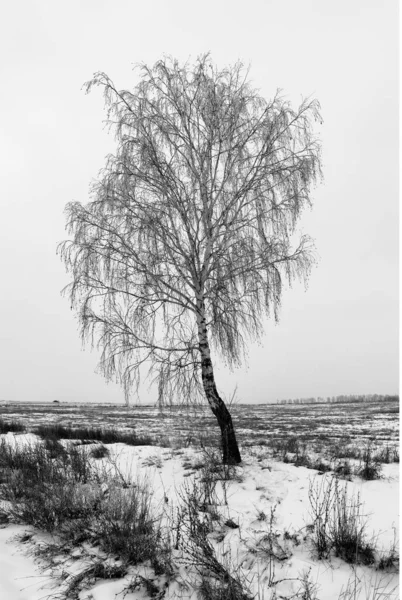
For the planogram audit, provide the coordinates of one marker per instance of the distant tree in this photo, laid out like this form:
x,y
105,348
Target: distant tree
x,y
183,248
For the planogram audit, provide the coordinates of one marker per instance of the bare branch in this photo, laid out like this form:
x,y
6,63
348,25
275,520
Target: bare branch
x,y
190,232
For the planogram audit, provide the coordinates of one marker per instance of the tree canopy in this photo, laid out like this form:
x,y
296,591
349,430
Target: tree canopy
x,y
190,232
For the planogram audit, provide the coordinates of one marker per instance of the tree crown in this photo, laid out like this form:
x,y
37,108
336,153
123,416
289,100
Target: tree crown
x,y
195,212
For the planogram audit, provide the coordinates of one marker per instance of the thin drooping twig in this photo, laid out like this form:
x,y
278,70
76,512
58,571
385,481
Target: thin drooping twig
x,y
183,250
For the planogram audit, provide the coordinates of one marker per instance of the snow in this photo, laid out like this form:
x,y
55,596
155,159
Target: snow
x,y
263,485
20,578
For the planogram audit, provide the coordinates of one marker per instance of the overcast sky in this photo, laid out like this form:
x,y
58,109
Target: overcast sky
x,y
339,336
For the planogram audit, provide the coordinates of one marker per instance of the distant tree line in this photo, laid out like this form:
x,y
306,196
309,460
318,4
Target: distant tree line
x,y
342,398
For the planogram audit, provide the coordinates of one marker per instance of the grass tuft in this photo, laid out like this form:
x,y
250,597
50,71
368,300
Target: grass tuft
x,y
11,426
94,434
221,589
57,489
100,452
370,467
126,525
338,524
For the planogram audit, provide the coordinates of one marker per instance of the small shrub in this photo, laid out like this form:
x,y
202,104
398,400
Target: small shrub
x,y
337,523
303,460
370,467
269,544
321,501
193,527
79,465
389,560
321,466
12,426
30,464
343,469
41,481
50,507
54,448
63,493
284,446
99,452
384,455
292,445
346,451
126,527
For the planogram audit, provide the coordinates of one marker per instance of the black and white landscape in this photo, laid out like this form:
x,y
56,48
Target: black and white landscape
x,y
199,307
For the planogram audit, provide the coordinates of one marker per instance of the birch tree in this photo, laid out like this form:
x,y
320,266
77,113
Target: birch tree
x,y
189,234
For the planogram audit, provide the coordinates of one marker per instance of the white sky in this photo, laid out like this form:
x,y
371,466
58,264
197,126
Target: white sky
x,y
341,336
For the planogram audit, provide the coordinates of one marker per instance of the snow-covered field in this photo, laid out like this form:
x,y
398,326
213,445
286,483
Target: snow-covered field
x,y
259,516
255,424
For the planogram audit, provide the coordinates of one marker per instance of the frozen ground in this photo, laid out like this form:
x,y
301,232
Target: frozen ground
x,y
263,485
270,550
255,424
